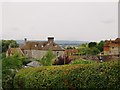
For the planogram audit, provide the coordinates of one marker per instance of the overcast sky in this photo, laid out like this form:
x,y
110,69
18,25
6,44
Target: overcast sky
x,y
84,21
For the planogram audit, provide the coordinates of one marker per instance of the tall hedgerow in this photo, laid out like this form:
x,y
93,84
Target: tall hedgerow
x,y
97,75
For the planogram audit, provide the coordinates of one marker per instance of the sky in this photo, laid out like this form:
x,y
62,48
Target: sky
x,y
83,21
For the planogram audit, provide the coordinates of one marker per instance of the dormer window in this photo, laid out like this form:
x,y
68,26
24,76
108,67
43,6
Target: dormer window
x,y
35,45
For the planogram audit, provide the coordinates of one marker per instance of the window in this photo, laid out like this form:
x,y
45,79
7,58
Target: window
x,y
57,53
35,45
25,52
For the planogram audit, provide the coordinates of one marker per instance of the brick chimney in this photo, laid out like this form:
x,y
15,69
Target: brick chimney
x,y
50,39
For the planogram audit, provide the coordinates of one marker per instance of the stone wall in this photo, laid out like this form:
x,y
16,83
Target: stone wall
x,y
38,54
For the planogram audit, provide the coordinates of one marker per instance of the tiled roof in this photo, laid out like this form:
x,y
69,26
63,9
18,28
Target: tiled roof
x,y
15,50
115,42
43,45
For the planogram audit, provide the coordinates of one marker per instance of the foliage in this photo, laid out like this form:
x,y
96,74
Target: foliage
x,y
94,51
62,60
92,48
10,66
83,50
88,51
47,60
92,44
83,62
6,43
100,75
70,47
100,45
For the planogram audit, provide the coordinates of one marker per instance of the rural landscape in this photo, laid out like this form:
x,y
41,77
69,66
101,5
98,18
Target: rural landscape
x,y
59,45
46,65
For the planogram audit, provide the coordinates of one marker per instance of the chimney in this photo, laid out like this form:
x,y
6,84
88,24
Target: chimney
x,y
50,39
25,40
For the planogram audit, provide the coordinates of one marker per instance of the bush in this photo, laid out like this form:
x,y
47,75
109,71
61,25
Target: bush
x,y
47,60
10,65
101,75
83,62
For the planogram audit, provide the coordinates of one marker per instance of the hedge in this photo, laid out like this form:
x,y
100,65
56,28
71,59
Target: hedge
x,y
98,75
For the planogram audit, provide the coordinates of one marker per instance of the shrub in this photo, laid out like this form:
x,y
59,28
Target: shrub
x,y
47,60
83,62
102,75
10,65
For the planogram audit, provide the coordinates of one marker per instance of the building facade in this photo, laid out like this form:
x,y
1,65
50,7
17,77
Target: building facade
x,y
112,47
39,49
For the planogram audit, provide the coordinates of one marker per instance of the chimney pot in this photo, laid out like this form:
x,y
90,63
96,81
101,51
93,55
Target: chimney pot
x,y
25,40
50,39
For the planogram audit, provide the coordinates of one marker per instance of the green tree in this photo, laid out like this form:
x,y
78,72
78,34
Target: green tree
x,y
101,45
47,60
89,49
10,66
92,44
94,51
6,43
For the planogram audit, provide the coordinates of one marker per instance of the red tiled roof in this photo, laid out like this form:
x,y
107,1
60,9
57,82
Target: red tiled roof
x,y
115,42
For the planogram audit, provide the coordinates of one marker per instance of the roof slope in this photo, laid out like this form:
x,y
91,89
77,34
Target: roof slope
x,y
115,42
43,45
15,50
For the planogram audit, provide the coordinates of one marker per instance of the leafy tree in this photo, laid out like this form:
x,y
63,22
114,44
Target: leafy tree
x,y
47,60
84,45
89,49
10,66
100,45
70,47
6,43
92,44
83,49
94,51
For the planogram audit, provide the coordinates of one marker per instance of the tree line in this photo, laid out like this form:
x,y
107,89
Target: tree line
x,y
92,48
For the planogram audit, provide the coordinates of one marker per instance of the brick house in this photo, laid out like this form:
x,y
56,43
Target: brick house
x,y
112,47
